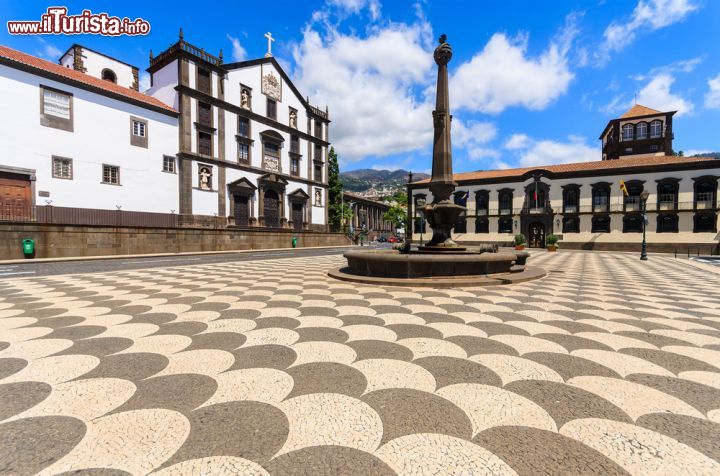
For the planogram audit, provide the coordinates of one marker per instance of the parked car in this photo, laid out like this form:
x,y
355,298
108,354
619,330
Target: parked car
x,y
392,239
382,239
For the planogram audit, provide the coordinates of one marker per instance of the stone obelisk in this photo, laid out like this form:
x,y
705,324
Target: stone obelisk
x,y
442,213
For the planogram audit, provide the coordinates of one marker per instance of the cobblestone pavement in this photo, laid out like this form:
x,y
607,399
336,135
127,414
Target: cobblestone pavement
x,y
608,365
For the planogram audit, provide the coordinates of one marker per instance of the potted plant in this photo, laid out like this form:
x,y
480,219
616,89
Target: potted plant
x,y
551,242
520,241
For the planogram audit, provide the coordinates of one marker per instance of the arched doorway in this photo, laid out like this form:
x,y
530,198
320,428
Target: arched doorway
x,y
271,209
536,231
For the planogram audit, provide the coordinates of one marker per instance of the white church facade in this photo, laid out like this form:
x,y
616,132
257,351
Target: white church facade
x,y
233,142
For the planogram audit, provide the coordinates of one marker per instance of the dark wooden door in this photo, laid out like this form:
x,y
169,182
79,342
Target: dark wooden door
x,y
297,215
15,197
242,210
271,209
537,235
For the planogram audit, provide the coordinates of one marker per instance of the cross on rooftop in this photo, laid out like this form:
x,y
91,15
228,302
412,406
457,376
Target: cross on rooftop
x,y
270,39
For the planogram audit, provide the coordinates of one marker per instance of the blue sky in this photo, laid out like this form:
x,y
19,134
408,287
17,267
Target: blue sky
x,y
531,82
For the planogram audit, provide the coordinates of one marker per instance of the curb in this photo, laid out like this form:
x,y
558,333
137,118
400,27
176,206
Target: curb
x,y
160,255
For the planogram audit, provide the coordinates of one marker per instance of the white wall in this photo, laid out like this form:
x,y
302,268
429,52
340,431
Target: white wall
x,y
164,81
101,136
95,63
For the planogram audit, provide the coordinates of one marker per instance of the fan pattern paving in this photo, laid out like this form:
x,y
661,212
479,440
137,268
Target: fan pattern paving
x,y
608,365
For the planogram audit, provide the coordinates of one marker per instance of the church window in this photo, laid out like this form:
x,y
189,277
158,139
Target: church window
x,y
318,172
243,152
655,129
111,174
62,168
642,130
294,144
294,166
271,109
109,75
56,104
318,153
139,128
318,129
204,143
204,114
203,81
244,126
169,164
271,156
628,132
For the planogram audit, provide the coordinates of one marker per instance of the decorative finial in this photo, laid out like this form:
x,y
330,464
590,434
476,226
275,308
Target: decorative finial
x,y
443,53
410,175
220,57
182,37
151,55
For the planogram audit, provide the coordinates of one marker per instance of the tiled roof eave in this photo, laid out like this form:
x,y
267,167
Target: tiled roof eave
x,y
147,102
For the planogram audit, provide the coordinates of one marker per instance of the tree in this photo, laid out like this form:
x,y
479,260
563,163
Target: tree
x,y
334,191
397,215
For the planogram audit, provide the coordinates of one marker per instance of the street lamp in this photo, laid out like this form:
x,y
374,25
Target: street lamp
x,y
644,196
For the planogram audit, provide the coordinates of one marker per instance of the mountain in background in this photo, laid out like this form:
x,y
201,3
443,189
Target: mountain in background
x,y
708,154
364,180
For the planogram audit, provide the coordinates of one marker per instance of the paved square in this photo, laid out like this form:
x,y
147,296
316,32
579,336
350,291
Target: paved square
x,y
608,365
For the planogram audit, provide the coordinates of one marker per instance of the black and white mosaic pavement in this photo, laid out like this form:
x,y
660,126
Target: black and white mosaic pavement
x,y
608,365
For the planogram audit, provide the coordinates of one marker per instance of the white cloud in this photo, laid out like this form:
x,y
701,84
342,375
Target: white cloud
x,y
144,83
356,6
238,52
372,85
502,75
517,141
49,51
549,152
648,15
473,137
657,95
712,97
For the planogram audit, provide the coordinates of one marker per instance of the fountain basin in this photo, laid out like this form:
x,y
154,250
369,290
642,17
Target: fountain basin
x,y
465,268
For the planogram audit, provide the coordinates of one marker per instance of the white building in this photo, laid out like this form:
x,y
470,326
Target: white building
x,y
583,203
207,139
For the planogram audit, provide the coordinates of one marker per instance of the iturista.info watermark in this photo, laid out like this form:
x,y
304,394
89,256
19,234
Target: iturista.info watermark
x,y
56,21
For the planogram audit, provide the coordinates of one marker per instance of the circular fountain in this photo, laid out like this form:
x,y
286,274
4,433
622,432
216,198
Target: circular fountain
x,y
441,262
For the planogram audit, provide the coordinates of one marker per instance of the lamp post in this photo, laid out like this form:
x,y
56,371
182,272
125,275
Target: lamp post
x,y
643,197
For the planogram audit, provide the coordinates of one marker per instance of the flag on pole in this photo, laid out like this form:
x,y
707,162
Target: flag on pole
x,y
623,188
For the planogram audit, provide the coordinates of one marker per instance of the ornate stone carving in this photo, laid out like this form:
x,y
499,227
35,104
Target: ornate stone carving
x,y
271,163
271,86
245,99
293,119
318,197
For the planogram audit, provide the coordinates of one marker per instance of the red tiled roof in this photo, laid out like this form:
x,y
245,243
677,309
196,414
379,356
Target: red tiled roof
x,y
599,165
34,62
639,110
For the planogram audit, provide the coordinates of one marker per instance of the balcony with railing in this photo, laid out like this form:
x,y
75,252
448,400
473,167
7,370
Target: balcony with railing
x,y
193,50
633,204
704,200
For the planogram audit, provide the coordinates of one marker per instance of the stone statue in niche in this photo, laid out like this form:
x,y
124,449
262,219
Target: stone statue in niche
x,y
245,99
204,176
318,197
293,119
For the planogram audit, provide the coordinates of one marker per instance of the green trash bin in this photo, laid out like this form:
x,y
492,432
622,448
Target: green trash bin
x,y
294,241
28,248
